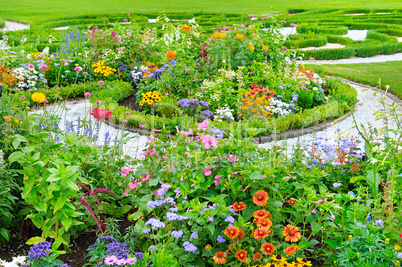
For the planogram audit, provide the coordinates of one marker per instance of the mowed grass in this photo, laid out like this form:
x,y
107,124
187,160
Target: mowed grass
x,y
390,73
31,10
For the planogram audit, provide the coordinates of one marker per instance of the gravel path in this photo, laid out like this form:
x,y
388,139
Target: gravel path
x,y
356,60
14,26
367,104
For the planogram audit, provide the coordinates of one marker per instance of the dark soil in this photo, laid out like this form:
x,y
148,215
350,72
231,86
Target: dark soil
x,y
17,247
131,101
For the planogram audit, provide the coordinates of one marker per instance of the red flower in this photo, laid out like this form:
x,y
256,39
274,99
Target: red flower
x,y
238,206
292,201
101,114
268,248
260,198
241,255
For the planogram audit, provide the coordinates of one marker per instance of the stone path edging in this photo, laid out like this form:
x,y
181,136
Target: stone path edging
x,y
282,135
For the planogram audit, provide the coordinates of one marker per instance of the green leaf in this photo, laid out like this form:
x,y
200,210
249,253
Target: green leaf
x,y
35,240
256,175
17,155
303,244
17,141
4,233
211,229
67,222
331,243
59,204
122,210
315,227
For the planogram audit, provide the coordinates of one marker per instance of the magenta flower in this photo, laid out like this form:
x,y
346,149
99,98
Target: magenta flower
x,y
243,26
87,94
78,69
100,82
57,88
304,88
45,101
251,16
85,73
125,170
293,25
264,18
225,28
217,177
232,158
141,126
43,67
152,138
282,21
133,185
146,178
125,20
209,141
127,113
31,66
203,125
207,171
284,48
124,121
148,152
22,96
98,102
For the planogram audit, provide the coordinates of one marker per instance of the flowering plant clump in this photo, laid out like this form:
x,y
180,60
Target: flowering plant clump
x,y
255,103
38,97
40,255
99,67
150,97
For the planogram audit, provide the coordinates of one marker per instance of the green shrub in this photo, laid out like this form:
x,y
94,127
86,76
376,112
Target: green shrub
x,y
2,23
330,54
391,31
369,49
315,41
322,29
374,35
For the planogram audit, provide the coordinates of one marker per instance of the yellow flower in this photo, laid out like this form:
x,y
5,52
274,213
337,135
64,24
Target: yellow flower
x,y
223,35
142,103
217,34
251,47
265,47
239,36
397,247
38,97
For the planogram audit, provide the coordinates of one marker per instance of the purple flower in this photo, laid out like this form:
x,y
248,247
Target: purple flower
x,y
379,222
189,247
146,231
87,94
101,82
131,261
230,219
110,260
336,185
220,239
194,235
155,223
39,250
177,234
293,25
304,88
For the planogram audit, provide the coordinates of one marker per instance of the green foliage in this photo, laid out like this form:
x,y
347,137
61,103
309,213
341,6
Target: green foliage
x,y
2,23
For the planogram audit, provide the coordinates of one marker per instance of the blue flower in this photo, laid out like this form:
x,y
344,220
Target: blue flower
x,y
336,185
194,235
189,247
369,217
177,234
230,219
220,239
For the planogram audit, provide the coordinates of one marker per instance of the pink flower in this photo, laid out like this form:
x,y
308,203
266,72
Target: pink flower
x,y
152,138
332,215
243,26
85,73
203,125
125,170
207,171
154,130
141,126
124,121
209,141
148,152
133,185
31,66
98,102
284,48
217,177
186,133
293,25
43,67
225,28
251,16
101,82
87,94
22,96
45,101
314,210
127,113
264,18
251,26
282,21
304,88
232,158
125,20
146,178
78,69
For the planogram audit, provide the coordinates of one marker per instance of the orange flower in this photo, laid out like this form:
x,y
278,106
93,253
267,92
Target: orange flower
x,y
290,250
238,206
217,34
170,55
292,201
292,233
241,235
241,255
260,233
265,47
222,35
251,47
264,222
185,28
220,257
257,256
268,248
260,198
261,214
239,36
232,232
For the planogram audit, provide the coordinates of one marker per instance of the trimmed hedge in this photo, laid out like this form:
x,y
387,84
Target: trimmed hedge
x,y
322,29
329,54
373,35
343,98
2,23
299,41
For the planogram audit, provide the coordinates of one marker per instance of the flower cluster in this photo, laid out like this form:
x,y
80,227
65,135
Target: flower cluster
x,y
38,97
150,98
99,67
255,102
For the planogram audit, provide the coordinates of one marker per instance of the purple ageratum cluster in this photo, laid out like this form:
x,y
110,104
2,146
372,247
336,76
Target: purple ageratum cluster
x,y
192,103
194,235
103,239
189,247
163,190
206,114
220,239
213,206
155,223
112,260
39,250
230,220
157,203
171,216
216,132
177,234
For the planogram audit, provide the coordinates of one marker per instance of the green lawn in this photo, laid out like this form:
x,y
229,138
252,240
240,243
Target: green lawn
x,y
369,73
29,10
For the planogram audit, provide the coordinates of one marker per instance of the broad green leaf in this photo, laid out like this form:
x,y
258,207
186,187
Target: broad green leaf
x,y
15,156
59,204
315,227
35,240
256,175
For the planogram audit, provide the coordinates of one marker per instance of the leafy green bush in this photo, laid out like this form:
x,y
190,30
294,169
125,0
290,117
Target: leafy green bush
x,y
374,35
322,29
301,41
369,49
2,23
330,54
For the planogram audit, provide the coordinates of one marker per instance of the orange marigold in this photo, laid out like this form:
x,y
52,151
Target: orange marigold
x,y
265,47
260,198
292,233
185,28
170,55
268,248
241,235
217,34
290,250
241,255
251,47
232,232
220,257
257,256
239,36
238,206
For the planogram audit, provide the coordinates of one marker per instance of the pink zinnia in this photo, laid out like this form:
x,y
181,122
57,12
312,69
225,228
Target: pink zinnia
x,y
282,21
78,69
293,24
203,125
125,20
101,114
209,141
125,170
100,82
251,16
31,66
87,94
